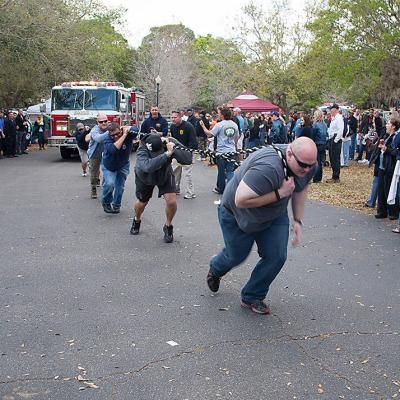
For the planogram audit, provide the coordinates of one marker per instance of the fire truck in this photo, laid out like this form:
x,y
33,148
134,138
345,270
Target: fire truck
x,y
73,102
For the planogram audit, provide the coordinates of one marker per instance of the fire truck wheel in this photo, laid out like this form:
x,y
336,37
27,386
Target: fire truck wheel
x,y
65,153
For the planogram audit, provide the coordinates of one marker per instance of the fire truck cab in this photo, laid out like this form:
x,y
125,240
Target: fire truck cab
x,y
73,102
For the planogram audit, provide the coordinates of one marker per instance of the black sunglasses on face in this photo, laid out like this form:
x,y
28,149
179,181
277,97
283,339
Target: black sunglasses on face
x,y
303,164
102,122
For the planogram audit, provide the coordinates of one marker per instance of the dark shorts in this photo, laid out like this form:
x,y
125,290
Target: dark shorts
x,y
145,192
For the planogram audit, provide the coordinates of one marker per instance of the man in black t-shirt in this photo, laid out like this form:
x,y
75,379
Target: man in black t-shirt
x,y
184,132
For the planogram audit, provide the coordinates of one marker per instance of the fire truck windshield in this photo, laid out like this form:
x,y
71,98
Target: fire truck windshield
x,y
100,99
67,99
88,99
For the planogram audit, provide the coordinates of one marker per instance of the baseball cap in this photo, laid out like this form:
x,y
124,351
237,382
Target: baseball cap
x,y
79,125
153,142
275,113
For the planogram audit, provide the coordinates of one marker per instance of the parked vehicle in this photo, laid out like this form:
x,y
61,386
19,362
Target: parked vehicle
x,y
73,102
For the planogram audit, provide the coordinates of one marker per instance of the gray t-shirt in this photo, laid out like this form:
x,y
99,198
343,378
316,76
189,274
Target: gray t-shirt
x,y
227,133
263,172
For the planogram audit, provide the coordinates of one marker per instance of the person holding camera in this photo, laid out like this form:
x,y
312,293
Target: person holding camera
x,y
153,168
117,147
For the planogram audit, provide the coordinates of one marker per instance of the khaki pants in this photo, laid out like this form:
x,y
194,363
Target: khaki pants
x,y
178,169
94,167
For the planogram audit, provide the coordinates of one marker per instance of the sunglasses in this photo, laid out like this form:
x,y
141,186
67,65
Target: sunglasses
x,y
303,164
102,122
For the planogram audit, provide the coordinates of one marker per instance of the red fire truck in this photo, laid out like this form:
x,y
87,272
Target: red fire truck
x,y
73,102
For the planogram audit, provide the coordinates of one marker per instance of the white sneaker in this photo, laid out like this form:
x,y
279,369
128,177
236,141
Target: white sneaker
x,y
84,174
189,196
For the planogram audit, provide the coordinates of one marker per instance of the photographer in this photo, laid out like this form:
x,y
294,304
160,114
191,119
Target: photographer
x,y
115,165
153,168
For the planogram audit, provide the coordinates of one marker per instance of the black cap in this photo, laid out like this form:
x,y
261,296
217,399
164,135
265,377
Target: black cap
x,y
153,143
334,106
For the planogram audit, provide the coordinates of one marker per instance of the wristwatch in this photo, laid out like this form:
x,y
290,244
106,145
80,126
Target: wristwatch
x,y
299,221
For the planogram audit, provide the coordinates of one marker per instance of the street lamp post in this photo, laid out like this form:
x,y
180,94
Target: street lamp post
x,y
158,81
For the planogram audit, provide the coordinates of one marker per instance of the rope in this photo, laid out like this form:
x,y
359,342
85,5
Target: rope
x,y
232,156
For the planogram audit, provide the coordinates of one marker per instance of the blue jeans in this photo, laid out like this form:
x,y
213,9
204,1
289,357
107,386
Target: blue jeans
x,y
321,157
272,248
374,192
353,142
225,173
254,143
346,149
114,185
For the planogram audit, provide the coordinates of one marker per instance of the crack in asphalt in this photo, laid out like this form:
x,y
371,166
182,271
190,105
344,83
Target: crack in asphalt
x,y
325,367
239,342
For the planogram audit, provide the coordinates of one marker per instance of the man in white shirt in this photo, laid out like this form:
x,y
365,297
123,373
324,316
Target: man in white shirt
x,y
335,134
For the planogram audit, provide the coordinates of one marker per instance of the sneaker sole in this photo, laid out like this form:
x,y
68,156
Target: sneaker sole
x,y
250,307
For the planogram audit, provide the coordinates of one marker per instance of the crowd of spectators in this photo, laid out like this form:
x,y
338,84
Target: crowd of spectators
x,y
344,134
17,133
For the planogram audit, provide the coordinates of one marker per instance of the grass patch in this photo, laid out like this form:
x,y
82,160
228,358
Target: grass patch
x,y
352,191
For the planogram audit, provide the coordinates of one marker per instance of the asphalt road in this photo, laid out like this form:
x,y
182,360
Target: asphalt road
x,y
83,303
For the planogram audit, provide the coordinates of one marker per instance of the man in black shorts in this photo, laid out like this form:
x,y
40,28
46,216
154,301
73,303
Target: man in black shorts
x,y
153,168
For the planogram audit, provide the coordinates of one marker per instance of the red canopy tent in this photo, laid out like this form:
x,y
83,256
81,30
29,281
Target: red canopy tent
x,y
248,102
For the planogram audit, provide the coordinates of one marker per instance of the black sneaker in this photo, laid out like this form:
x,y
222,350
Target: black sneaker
x,y
115,210
135,227
168,234
257,306
213,282
107,208
93,194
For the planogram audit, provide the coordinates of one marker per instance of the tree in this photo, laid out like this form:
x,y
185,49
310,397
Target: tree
x,y
39,51
220,70
273,41
361,39
166,52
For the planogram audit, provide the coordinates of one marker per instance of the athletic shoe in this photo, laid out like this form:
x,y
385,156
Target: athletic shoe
x,y
93,194
107,208
135,227
84,174
189,196
257,306
213,282
168,233
115,210
332,180
215,190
